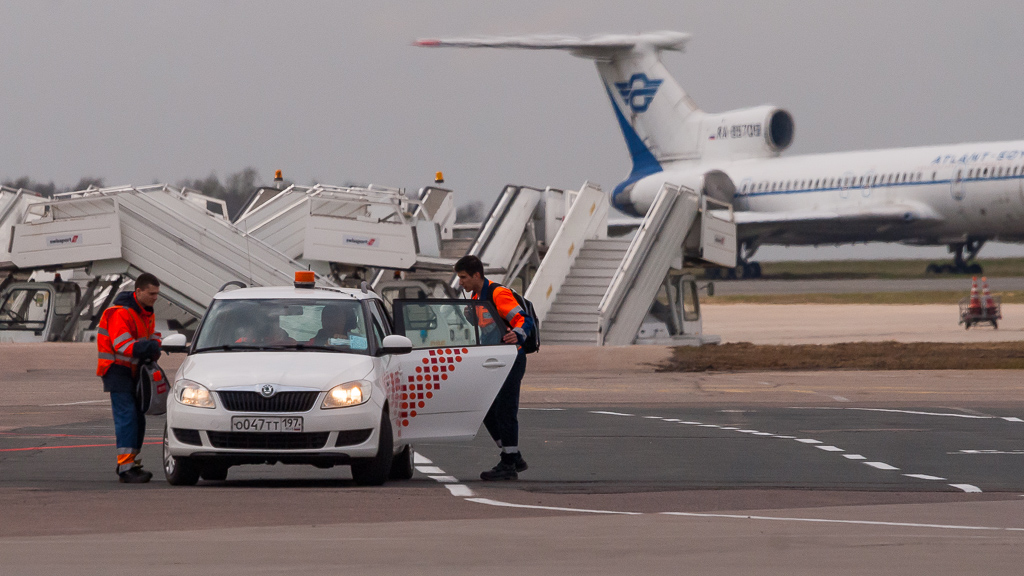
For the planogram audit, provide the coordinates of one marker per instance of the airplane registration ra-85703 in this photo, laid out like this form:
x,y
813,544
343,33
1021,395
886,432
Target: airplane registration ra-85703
x,y
959,195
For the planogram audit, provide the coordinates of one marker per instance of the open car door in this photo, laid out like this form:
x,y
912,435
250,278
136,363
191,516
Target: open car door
x,y
454,372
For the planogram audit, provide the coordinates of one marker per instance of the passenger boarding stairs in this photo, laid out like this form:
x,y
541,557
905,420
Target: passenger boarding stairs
x,y
181,236
598,291
573,317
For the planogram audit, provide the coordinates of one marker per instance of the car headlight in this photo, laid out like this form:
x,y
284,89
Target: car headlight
x,y
192,393
347,394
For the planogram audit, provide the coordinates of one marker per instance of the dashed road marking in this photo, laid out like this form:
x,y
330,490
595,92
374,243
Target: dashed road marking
x,y
881,465
609,413
967,487
827,448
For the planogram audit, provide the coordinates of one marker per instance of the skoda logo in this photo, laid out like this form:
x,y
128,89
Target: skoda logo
x,y
267,391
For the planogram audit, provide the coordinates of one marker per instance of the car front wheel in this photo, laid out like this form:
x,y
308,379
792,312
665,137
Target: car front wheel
x,y
180,471
374,471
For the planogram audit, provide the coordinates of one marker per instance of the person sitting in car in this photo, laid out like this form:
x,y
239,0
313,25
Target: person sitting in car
x,y
339,328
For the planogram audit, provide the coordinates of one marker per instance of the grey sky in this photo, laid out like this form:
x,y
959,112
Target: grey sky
x,y
334,92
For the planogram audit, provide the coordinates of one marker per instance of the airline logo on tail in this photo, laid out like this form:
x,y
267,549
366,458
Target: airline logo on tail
x,y
638,91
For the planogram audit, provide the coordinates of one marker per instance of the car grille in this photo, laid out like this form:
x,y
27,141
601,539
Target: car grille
x,y
268,440
353,437
236,401
186,436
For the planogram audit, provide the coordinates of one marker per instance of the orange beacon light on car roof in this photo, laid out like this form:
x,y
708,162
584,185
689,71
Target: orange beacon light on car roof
x,y
305,279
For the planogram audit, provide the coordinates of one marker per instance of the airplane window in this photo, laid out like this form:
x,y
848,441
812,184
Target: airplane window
x,y
986,171
970,173
1000,171
934,175
919,176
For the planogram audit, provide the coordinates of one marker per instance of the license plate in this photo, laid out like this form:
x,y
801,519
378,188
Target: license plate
x,y
264,424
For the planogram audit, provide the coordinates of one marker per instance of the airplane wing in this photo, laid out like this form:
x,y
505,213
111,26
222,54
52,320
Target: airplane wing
x,y
595,45
827,227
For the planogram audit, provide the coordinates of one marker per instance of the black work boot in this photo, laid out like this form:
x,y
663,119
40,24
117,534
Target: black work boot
x,y
505,470
517,460
135,475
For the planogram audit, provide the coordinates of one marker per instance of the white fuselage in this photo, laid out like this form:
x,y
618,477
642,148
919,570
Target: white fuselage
x,y
949,193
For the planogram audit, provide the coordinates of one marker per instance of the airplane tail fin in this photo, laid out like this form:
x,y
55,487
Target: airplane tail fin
x,y
652,108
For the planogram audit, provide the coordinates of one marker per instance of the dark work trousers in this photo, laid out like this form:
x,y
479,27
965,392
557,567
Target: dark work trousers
x,y
502,420
129,423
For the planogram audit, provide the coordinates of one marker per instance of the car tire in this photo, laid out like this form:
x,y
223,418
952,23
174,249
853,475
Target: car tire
x,y
401,465
374,471
214,472
180,471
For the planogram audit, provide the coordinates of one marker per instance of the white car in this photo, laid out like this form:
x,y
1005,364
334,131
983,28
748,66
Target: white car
x,y
319,376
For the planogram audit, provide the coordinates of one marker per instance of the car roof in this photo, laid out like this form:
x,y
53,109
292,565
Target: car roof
x,y
291,292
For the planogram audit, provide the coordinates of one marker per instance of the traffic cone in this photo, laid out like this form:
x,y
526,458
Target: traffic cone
x,y
975,305
986,298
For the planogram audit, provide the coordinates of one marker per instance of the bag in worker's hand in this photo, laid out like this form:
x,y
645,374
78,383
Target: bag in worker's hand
x,y
151,389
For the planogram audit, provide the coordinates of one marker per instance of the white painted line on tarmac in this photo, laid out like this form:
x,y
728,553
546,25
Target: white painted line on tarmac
x,y
490,502
653,418
446,479
710,426
429,470
671,419
1014,452
609,413
460,490
854,457
808,440
835,521
830,448
77,403
967,487
748,431
881,465
418,458
894,411
762,434
1012,419
499,503
729,428
690,423
786,437
924,476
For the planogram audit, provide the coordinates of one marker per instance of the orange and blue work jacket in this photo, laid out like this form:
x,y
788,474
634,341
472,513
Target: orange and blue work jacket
x,y
508,307
127,334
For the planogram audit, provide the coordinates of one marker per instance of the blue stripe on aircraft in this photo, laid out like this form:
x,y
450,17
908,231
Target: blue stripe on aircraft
x,y
873,186
644,162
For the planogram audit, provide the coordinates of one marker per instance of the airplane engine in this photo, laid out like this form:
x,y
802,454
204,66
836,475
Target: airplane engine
x,y
760,132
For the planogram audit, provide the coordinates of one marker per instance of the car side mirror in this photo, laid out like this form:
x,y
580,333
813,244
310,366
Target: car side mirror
x,y
396,344
174,343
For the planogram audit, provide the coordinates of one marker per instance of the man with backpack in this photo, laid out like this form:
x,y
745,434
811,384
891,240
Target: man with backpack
x,y
502,420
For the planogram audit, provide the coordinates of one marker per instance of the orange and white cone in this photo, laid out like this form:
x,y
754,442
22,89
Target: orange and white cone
x,y
975,305
986,298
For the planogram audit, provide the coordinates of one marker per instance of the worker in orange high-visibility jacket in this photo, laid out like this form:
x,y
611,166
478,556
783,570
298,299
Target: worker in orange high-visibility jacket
x,y
126,337
502,419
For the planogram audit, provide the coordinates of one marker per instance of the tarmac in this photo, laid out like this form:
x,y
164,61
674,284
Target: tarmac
x,y
631,470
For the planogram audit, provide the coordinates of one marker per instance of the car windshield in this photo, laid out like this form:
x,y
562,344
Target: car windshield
x,y
278,324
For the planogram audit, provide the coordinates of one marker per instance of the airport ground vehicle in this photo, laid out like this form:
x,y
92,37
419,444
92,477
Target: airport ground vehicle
x,y
991,312
37,311
321,376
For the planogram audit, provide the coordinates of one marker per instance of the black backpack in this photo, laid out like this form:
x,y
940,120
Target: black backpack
x,y
532,343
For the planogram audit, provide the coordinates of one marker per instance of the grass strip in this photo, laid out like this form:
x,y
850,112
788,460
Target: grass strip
x,y
846,269
923,297
746,357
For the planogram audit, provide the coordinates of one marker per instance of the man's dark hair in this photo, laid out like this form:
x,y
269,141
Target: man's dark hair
x,y
470,265
145,280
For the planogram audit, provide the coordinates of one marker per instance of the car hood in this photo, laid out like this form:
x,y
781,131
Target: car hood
x,y
296,370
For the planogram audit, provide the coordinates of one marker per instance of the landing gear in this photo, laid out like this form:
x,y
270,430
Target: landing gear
x,y
961,264
744,269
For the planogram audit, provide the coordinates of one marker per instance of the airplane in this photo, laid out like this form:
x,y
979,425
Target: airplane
x,y
959,195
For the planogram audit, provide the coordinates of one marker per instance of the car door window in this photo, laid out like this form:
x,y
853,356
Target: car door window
x,y
434,323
